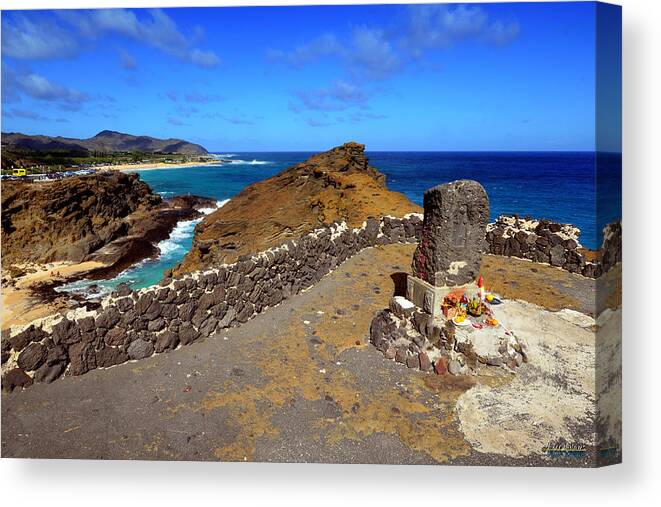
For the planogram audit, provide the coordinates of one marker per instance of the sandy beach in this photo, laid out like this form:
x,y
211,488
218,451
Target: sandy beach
x,y
19,303
151,166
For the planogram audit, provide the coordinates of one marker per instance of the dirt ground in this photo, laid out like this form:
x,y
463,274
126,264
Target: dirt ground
x,y
301,383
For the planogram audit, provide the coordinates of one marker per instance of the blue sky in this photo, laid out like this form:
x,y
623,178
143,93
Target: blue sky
x,y
439,77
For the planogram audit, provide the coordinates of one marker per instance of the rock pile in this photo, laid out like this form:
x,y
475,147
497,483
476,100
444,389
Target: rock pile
x,y
410,336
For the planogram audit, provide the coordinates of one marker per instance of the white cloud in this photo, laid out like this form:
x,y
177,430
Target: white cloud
x,y
377,52
23,38
33,36
38,87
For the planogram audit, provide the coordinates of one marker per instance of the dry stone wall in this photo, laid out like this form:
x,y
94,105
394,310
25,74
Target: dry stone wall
x,y
555,244
133,325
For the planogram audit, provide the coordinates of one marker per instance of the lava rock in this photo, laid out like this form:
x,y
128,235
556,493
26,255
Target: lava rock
x,y
453,232
32,357
15,378
139,349
48,373
187,334
82,358
166,341
110,356
425,363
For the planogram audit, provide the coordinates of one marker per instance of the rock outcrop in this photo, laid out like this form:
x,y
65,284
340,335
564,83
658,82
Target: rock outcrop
x,y
113,218
334,186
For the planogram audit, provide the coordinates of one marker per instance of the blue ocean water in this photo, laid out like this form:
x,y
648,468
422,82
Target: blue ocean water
x,y
558,186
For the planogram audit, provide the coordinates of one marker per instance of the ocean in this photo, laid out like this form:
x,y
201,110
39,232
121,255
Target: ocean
x,y
560,186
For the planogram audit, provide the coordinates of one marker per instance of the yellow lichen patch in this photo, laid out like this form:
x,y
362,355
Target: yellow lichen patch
x,y
539,284
422,418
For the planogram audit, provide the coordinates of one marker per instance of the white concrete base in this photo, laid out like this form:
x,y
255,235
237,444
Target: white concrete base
x,y
429,297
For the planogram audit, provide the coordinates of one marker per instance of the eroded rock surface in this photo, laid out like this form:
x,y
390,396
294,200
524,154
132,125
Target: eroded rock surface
x,y
113,218
335,186
453,234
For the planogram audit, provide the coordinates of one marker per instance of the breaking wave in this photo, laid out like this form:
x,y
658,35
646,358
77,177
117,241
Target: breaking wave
x,y
250,162
148,271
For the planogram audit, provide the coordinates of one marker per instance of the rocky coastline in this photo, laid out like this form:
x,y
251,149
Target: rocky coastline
x,y
272,241
92,226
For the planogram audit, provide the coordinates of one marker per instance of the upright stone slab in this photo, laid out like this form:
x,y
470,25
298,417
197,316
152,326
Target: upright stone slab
x,y
449,254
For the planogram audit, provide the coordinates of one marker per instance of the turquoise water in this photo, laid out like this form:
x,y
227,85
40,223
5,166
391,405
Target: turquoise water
x,y
557,186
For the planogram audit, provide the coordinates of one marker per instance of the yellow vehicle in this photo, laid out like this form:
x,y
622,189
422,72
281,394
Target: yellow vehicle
x,y
18,172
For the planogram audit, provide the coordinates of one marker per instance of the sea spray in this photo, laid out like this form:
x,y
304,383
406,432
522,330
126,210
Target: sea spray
x,y
148,271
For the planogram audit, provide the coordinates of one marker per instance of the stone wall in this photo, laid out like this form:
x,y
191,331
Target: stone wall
x,y
555,244
133,325
137,324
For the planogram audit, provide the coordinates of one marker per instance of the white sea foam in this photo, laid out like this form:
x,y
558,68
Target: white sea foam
x,y
170,250
208,211
183,231
250,162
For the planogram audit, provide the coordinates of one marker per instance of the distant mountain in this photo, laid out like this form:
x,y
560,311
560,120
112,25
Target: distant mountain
x,y
106,141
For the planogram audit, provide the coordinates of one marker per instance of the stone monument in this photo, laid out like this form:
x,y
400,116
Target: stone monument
x,y
449,254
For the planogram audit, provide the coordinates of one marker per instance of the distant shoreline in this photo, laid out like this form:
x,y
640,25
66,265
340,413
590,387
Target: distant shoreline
x,y
147,166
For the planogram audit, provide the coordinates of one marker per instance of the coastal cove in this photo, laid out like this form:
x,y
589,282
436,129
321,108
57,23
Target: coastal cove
x,y
550,185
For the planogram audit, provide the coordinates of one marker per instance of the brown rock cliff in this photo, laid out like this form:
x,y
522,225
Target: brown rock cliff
x,y
113,218
332,186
